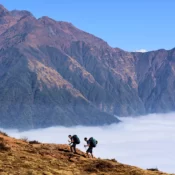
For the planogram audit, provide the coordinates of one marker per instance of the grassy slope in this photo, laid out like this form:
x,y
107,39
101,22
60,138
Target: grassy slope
x,y
18,157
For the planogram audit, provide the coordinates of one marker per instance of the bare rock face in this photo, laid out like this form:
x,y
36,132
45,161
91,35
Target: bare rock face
x,y
55,74
3,10
155,71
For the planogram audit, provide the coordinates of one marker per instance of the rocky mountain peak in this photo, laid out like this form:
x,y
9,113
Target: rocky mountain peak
x,y
3,10
20,13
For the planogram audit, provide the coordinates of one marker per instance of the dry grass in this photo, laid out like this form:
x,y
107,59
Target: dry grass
x,y
25,158
48,75
51,78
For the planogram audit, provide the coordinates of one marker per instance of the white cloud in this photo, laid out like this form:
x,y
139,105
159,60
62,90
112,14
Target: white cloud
x,y
141,50
146,142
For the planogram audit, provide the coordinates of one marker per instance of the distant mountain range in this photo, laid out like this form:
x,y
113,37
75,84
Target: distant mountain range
x,y
52,73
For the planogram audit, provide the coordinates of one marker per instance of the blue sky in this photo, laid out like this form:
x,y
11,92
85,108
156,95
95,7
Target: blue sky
x,y
127,24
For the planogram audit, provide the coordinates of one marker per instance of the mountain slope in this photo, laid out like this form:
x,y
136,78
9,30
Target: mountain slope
x,y
55,74
24,158
33,95
155,72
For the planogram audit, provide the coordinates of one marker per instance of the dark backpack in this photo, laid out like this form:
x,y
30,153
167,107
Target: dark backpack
x,y
93,142
76,139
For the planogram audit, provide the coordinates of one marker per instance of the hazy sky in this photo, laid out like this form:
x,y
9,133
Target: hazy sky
x,y
130,25
147,142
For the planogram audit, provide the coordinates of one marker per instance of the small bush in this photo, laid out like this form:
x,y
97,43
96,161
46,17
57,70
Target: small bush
x,y
4,146
25,139
1,139
91,169
153,169
34,142
112,160
99,166
18,143
3,133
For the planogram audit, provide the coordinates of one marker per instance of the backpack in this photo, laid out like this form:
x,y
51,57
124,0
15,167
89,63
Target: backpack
x,y
76,139
93,142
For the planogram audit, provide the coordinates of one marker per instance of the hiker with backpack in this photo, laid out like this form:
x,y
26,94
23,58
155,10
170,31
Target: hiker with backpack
x,y
74,140
91,143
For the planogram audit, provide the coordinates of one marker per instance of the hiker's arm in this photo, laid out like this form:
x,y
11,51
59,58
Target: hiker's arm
x,y
87,145
70,141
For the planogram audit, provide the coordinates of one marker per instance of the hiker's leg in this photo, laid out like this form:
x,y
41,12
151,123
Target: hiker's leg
x,y
71,148
87,152
90,150
74,147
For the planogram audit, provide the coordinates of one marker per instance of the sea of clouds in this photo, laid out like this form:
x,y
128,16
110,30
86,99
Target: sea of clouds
x,y
146,142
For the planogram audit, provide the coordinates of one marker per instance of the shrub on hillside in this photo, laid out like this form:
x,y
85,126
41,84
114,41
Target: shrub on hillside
x,y
34,142
3,145
25,139
152,169
3,133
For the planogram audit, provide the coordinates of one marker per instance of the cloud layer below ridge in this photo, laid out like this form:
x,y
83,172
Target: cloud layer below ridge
x,y
147,141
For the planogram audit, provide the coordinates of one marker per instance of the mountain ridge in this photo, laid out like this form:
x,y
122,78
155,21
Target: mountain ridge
x,y
109,81
40,18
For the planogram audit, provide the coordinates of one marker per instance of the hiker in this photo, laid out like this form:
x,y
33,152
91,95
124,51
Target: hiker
x,y
74,140
91,143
